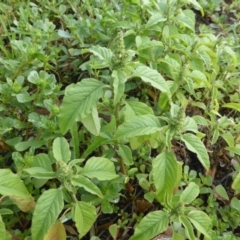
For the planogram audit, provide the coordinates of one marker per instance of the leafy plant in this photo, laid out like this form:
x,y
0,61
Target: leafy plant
x,y
115,114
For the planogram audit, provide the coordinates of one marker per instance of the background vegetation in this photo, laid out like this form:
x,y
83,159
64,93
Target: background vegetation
x,y
119,119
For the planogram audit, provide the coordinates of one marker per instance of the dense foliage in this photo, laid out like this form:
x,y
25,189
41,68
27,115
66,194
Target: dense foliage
x,y
119,119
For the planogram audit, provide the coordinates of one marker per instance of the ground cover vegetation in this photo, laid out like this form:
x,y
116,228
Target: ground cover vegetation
x,y
119,119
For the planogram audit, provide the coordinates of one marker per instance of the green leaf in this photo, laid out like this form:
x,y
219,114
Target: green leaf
x,y
232,54
92,122
64,34
155,19
12,185
200,120
100,168
188,226
151,225
104,54
177,236
89,186
153,77
48,207
40,173
215,136
164,169
113,230
197,5
126,154
235,150
187,18
228,137
235,203
200,220
236,182
84,215
119,79
190,125
190,193
138,126
42,160
136,108
24,97
220,190
195,145
2,229
24,204
104,137
234,106
78,102
61,151
56,232
22,146
200,78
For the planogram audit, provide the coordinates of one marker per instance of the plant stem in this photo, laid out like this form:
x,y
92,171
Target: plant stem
x,y
74,133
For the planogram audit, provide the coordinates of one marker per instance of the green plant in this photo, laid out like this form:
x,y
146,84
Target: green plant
x,y
102,103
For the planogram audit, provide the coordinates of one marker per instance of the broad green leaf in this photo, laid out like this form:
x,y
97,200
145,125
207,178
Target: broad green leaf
x,y
164,171
187,18
41,173
92,122
119,79
12,185
152,77
197,5
236,182
5,211
155,19
190,193
104,54
188,226
100,168
113,230
220,190
24,97
195,145
64,34
22,146
135,108
151,225
138,126
144,43
42,160
235,203
61,151
234,106
48,207
177,236
2,229
24,204
200,78
87,184
232,54
126,153
205,57
84,216
200,220
172,68
78,102
190,125
104,137
200,120
56,232
235,150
